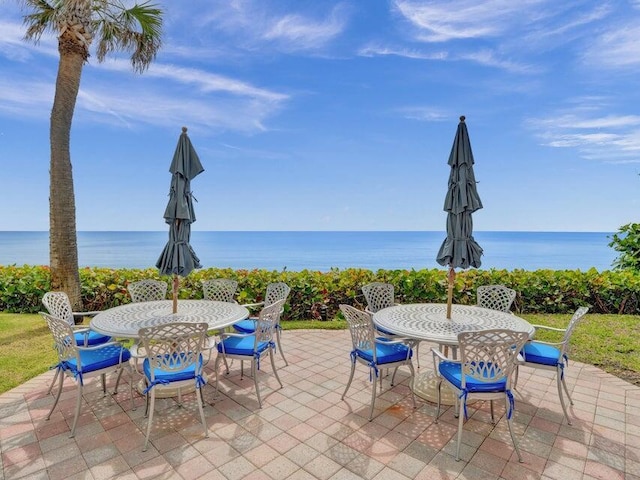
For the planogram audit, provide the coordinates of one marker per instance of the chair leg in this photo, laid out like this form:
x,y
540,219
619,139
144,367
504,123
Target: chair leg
x,y
215,369
439,390
200,401
53,382
417,350
273,366
515,376
460,426
103,378
353,369
510,425
493,418
78,406
413,395
560,381
152,402
278,329
255,381
373,393
55,402
115,390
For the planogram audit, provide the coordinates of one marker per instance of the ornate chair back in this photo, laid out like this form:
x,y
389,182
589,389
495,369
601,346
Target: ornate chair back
x,y
220,289
496,297
147,290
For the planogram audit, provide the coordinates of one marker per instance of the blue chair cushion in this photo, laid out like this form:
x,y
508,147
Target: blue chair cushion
x,y
177,375
241,346
535,352
245,326
92,360
453,373
94,338
386,353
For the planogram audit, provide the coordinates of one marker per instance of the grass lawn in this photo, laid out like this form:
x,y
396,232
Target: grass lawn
x,y
611,342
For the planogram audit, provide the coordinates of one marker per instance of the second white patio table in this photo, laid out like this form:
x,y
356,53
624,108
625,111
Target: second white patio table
x,y
428,321
124,321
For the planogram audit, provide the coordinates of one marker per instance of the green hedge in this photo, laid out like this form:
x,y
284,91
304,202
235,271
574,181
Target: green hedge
x,y
316,295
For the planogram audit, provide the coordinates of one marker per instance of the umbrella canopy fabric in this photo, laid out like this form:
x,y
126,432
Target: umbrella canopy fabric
x,y
178,258
459,249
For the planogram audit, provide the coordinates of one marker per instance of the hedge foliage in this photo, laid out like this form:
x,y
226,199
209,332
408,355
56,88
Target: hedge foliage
x,y
317,295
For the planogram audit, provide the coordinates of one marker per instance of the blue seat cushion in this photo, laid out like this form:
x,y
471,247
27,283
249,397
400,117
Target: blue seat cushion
x,y
92,360
245,326
177,375
452,371
241,345
386,353
94,338
535,352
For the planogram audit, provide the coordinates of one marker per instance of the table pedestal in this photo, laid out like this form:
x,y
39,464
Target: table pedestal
x,y
425,386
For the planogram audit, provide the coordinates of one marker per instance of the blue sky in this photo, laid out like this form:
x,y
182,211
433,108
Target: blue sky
x,y
340,115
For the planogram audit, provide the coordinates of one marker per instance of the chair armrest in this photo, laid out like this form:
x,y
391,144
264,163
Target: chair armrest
x,y
252,305
395,340
80,328
84,314
102,345
239,335
544,327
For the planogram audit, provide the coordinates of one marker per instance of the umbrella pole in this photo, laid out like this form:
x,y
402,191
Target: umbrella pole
x,y
451,277
175,293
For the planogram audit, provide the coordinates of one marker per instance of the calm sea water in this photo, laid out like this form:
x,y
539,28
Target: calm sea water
x,y
321,250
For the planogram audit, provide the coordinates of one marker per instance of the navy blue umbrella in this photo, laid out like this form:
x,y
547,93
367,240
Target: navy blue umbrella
x,y
459,249
177,257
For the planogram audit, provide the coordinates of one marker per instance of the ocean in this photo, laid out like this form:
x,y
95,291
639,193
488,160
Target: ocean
x,y
321,251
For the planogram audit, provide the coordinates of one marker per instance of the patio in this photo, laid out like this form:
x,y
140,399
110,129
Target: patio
x,y
305,431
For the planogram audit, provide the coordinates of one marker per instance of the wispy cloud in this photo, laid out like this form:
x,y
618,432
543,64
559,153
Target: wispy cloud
x,y
618,47
425,114
296,32
596,136
373,50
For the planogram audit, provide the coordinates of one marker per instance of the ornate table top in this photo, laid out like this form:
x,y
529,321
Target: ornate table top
x,y
427,321
124,321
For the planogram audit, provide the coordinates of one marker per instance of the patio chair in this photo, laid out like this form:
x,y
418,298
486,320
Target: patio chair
x,y
552,356
487,359
220,289
58,305
173,357
81,363
374,352
496,297
381,295
252,347
275,291
147,290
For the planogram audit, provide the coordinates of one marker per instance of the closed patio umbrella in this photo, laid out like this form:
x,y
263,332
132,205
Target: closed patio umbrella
x,y
177,257
459,249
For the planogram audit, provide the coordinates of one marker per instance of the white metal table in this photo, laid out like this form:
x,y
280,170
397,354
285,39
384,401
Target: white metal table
x,y
124,321
428,321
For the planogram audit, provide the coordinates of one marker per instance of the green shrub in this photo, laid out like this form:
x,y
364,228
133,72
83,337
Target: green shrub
x,y
317,295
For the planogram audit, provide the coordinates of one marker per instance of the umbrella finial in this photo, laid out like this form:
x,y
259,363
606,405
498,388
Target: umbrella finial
x,y
461,119
184,129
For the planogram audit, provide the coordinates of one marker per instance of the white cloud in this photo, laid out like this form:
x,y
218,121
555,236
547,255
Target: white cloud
x,y
377,50
425,114
608,138
296,32
616,48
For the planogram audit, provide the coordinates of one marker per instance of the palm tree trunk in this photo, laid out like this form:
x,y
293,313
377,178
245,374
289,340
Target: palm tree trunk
x,y
63,245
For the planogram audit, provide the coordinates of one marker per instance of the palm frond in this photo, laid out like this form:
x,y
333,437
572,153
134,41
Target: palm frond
x,y
42,17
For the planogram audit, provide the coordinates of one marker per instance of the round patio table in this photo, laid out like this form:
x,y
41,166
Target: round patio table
x,y
428,321
124,321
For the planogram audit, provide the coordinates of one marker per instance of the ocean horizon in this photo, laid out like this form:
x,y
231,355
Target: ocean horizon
x,y
320,250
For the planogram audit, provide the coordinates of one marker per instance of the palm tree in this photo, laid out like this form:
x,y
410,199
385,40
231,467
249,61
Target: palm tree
x,y
77,23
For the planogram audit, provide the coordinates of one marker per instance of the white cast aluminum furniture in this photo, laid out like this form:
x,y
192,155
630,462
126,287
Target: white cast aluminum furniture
x,y
220,289
147,290
496,297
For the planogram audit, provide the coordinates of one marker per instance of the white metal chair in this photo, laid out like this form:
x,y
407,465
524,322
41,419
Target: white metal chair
x,y
381,295
275,291
553,356
147,290
487,359
374,352
173,357
81,363
495,297
254,346
220,289
59,306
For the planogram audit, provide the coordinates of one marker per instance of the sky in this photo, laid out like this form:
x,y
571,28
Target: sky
x,y
340,115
